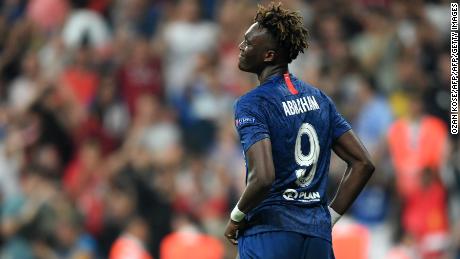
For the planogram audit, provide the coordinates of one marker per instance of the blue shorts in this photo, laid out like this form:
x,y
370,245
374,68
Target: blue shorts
x,y
283,244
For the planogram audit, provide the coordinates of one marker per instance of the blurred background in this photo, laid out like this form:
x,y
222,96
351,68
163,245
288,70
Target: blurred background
x,y
117,137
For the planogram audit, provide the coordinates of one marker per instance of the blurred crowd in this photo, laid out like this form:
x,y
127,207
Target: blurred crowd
x,y
117,137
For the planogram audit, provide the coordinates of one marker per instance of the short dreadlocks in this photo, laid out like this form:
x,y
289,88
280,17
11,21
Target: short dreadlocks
x,y
285,26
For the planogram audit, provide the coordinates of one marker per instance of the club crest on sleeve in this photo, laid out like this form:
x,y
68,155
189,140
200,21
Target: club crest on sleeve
x,y
242,121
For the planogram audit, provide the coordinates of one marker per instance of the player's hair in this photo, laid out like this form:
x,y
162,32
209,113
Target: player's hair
x,y
285,26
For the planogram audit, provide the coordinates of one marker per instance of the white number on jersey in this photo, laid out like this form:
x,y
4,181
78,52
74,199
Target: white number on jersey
x,y
304,179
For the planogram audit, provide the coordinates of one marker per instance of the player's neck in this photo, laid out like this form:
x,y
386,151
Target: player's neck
x,y
271,71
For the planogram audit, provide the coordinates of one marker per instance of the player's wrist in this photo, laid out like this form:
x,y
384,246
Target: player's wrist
x,y
237,215
335,216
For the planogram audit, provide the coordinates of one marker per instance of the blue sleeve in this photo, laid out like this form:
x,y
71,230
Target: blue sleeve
x,y
338,123
250,122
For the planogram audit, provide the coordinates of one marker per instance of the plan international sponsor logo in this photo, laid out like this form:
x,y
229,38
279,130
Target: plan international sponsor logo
x,y
293,195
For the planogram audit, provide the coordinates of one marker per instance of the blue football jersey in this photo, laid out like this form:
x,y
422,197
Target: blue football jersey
x,y
302,123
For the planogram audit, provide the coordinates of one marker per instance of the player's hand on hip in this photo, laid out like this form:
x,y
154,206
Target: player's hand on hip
x,y
233,229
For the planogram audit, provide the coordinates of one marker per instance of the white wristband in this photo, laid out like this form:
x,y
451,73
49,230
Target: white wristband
x,y
237,215
334,215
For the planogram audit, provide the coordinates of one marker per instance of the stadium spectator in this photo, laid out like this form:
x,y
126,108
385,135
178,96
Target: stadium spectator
x,y
187,242
418,146
141,74
184,37
131,244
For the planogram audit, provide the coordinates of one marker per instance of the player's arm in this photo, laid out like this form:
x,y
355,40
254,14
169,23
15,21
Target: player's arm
x,y
261,174
359,170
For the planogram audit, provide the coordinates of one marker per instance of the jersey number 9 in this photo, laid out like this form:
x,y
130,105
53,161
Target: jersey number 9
x,y
311,159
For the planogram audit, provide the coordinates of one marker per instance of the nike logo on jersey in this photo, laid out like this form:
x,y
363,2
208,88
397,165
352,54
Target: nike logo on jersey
x,y
300,105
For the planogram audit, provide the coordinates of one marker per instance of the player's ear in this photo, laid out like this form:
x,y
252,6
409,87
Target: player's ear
x,y
269,56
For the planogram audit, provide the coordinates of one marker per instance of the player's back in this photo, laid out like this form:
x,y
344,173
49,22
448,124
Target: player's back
x,y
301,123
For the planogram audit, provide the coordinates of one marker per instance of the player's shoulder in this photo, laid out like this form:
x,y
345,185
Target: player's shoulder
x,y
253,98
310,89
274,90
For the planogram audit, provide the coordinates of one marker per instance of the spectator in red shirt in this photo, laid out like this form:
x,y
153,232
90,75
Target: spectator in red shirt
x,y
83,181
131,243
79,81
425,215
140,74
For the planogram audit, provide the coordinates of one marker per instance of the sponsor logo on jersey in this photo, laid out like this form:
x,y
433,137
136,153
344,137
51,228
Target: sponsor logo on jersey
x,y
294,195
300,105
